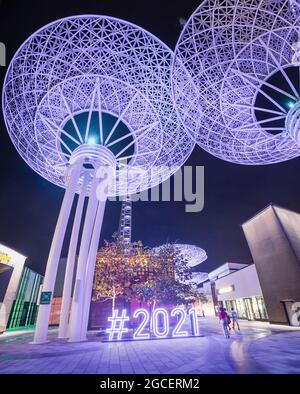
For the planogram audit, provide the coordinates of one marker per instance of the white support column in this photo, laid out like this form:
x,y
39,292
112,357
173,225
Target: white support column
x,y
77,300
40,335
68,280
90,268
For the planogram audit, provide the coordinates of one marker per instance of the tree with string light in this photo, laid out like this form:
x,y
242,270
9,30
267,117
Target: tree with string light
x,y
119,267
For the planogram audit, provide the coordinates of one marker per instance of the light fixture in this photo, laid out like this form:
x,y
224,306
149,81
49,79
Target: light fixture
x,y
226,290
92,141
291,104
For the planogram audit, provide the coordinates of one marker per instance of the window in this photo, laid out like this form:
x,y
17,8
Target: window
x,y
262,308
241,309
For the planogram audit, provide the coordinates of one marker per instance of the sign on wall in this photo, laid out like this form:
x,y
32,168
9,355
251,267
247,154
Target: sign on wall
x,y
4,257
225,290
45,297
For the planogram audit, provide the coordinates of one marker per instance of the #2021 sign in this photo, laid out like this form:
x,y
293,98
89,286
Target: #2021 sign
x,y
159,321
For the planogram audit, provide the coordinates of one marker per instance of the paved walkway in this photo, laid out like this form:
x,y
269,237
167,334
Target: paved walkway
x,y
258,348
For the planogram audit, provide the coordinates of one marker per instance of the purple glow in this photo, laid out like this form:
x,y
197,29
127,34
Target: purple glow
x,y
224,63
88,64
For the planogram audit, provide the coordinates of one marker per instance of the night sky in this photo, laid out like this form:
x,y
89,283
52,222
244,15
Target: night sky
x,y
29,205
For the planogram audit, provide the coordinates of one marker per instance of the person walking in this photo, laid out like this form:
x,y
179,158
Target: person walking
x,y
235,318
224,321
229,321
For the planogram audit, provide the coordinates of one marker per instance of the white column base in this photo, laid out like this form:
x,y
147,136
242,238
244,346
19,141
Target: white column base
x,y
68,279
77,340
39,343
78,294
41,330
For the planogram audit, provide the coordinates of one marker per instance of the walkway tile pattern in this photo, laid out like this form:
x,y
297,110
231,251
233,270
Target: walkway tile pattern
x,y
257,349
279,354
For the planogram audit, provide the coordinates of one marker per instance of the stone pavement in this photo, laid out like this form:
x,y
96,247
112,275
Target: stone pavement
x,y
278,353
258,348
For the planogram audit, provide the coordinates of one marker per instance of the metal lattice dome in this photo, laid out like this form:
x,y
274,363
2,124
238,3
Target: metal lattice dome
x,y
95,80
192,253
236,79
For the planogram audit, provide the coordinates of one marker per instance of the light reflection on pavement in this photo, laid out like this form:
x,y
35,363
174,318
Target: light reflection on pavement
x,y
258,348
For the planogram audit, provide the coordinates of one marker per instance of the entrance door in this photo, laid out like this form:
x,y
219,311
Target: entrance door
x,y
250,314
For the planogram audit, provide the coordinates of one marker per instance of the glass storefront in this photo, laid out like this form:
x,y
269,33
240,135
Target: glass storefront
x,y
251,308
24,309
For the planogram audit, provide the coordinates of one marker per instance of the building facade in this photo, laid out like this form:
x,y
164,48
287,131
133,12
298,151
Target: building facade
x,y
269,289
24,309
273,236
241,290
19,291
11,269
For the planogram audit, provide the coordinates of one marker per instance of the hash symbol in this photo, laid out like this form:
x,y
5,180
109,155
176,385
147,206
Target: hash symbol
x,y
117,325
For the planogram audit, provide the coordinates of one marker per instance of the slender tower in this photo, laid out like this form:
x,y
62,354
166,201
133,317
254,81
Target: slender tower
x,y
125,221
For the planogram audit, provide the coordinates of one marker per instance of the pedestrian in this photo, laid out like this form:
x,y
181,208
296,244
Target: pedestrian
x,y
235,318
228,321
224,321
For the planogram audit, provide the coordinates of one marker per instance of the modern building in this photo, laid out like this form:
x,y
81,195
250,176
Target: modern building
x,y
241,290
225,269
269,289
208,286
273,236
19,290
24,309
208,308
234,285
11,268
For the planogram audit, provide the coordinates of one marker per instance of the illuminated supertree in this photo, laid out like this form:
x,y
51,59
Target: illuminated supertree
x,y
236,79
192,253
82,93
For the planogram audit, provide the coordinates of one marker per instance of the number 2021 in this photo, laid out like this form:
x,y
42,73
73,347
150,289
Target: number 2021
x,y
164,331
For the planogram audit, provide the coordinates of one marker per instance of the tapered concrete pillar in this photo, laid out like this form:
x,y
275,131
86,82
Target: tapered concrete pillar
x,y
78,296
90,268
68,280
40,334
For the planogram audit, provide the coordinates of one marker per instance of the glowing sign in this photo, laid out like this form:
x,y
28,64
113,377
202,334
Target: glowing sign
x,y
159,324
226,290
176,332
138,333
4,257
195,327
155,320
117,325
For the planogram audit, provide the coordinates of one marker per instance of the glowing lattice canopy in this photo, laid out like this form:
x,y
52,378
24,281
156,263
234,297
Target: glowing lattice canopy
x,y
236,79
95,80
192,253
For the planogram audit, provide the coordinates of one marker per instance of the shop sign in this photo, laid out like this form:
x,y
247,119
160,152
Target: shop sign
x,y
4,258
45,298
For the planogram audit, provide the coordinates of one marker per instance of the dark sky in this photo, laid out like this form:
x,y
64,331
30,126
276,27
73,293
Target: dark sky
x,y
29,205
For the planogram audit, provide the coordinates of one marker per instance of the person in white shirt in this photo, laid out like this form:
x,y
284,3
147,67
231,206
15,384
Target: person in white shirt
x,y
235,318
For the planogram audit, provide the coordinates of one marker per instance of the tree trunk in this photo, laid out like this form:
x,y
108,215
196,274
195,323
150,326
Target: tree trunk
x,y
113,302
